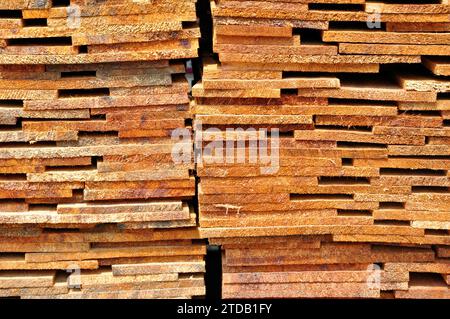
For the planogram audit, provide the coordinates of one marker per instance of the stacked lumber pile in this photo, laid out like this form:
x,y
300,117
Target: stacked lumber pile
x,y
316,266
91,203
363,111
91,31
101,262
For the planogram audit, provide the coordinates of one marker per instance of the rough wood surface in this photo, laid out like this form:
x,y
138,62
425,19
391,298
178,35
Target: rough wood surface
x,y
87,179
362,158
355,205
40,32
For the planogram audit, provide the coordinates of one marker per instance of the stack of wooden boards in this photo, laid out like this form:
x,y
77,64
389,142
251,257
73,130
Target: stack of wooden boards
x,y
317,266
360,93
92,204
91,31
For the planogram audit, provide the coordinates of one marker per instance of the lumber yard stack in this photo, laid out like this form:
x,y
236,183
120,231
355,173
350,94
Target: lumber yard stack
x,y
92,204
91,31
358,203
